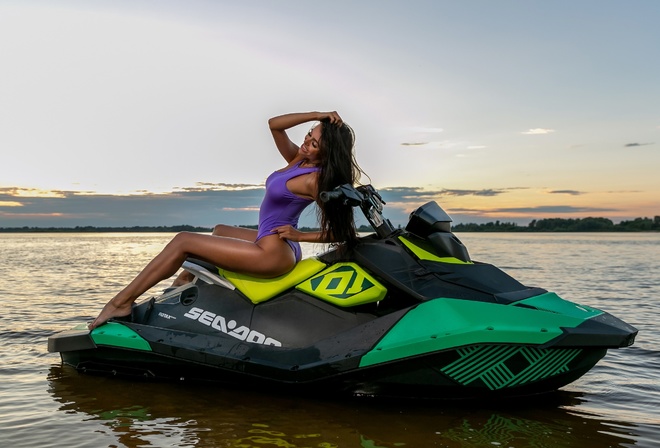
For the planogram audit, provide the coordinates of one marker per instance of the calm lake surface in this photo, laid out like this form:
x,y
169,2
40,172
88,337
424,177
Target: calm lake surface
x,y
50,282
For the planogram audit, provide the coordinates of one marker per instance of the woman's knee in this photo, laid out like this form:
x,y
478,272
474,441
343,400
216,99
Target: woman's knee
x,y
180,241
221,229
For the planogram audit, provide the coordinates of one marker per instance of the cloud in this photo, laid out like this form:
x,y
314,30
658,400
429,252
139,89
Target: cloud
x,y
411,194
632,145
414,143
442,144
421,136
571,192
482,192
403,200
195,207
432,144
519,215
234,204
209,186
561,209
538,131
428,138
30,193
415,195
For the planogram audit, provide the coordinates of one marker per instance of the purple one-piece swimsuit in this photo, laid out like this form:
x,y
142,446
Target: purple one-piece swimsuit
x,y
281,207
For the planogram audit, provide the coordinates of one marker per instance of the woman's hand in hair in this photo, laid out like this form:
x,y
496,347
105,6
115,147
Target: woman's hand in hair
x,y
333,117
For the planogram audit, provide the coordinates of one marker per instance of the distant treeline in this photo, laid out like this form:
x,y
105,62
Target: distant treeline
x,y
565,225
134,229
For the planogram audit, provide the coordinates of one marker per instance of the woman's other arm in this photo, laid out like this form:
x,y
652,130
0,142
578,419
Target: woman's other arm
x,y
288,232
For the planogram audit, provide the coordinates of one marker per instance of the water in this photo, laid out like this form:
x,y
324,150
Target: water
x,y
50,282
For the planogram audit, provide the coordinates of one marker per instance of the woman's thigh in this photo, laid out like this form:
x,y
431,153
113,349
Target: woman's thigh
x,y
241,233
269,257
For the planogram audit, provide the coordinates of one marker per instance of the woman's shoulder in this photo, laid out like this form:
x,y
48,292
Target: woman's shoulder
x,y
305,184
300,163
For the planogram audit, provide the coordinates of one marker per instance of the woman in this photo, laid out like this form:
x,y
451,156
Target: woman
x,y
324,161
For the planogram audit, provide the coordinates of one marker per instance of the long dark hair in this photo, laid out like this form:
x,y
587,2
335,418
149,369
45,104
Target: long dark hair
x,y
338,167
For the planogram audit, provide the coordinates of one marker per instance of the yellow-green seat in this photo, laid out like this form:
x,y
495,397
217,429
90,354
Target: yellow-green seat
x,y
261,289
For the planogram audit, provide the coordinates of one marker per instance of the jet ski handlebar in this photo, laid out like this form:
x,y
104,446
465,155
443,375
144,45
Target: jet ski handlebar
x,y
346,193
368,199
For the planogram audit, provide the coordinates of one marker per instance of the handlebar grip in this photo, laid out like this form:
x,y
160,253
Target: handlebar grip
x,y
330,195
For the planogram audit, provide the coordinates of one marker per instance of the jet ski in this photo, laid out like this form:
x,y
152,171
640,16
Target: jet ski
x,y
404,313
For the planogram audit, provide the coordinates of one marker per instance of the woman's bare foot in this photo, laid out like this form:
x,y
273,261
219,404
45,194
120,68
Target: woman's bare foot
x,y
108,312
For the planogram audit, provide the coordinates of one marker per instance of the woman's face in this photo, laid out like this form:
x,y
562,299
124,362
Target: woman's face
x,y
310,147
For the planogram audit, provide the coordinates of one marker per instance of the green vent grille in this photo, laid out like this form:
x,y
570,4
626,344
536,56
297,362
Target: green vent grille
x,y
500,366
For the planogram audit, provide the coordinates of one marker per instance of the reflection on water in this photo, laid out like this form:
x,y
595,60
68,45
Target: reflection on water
x,y
157,414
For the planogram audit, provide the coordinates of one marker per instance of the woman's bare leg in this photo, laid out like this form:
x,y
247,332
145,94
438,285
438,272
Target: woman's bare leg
x,y
269,257
240,233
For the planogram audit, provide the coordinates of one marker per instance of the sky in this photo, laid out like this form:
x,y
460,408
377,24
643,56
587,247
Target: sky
x,y
145,112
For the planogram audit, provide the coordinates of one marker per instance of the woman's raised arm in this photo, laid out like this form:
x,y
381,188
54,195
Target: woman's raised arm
x,y
278,126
